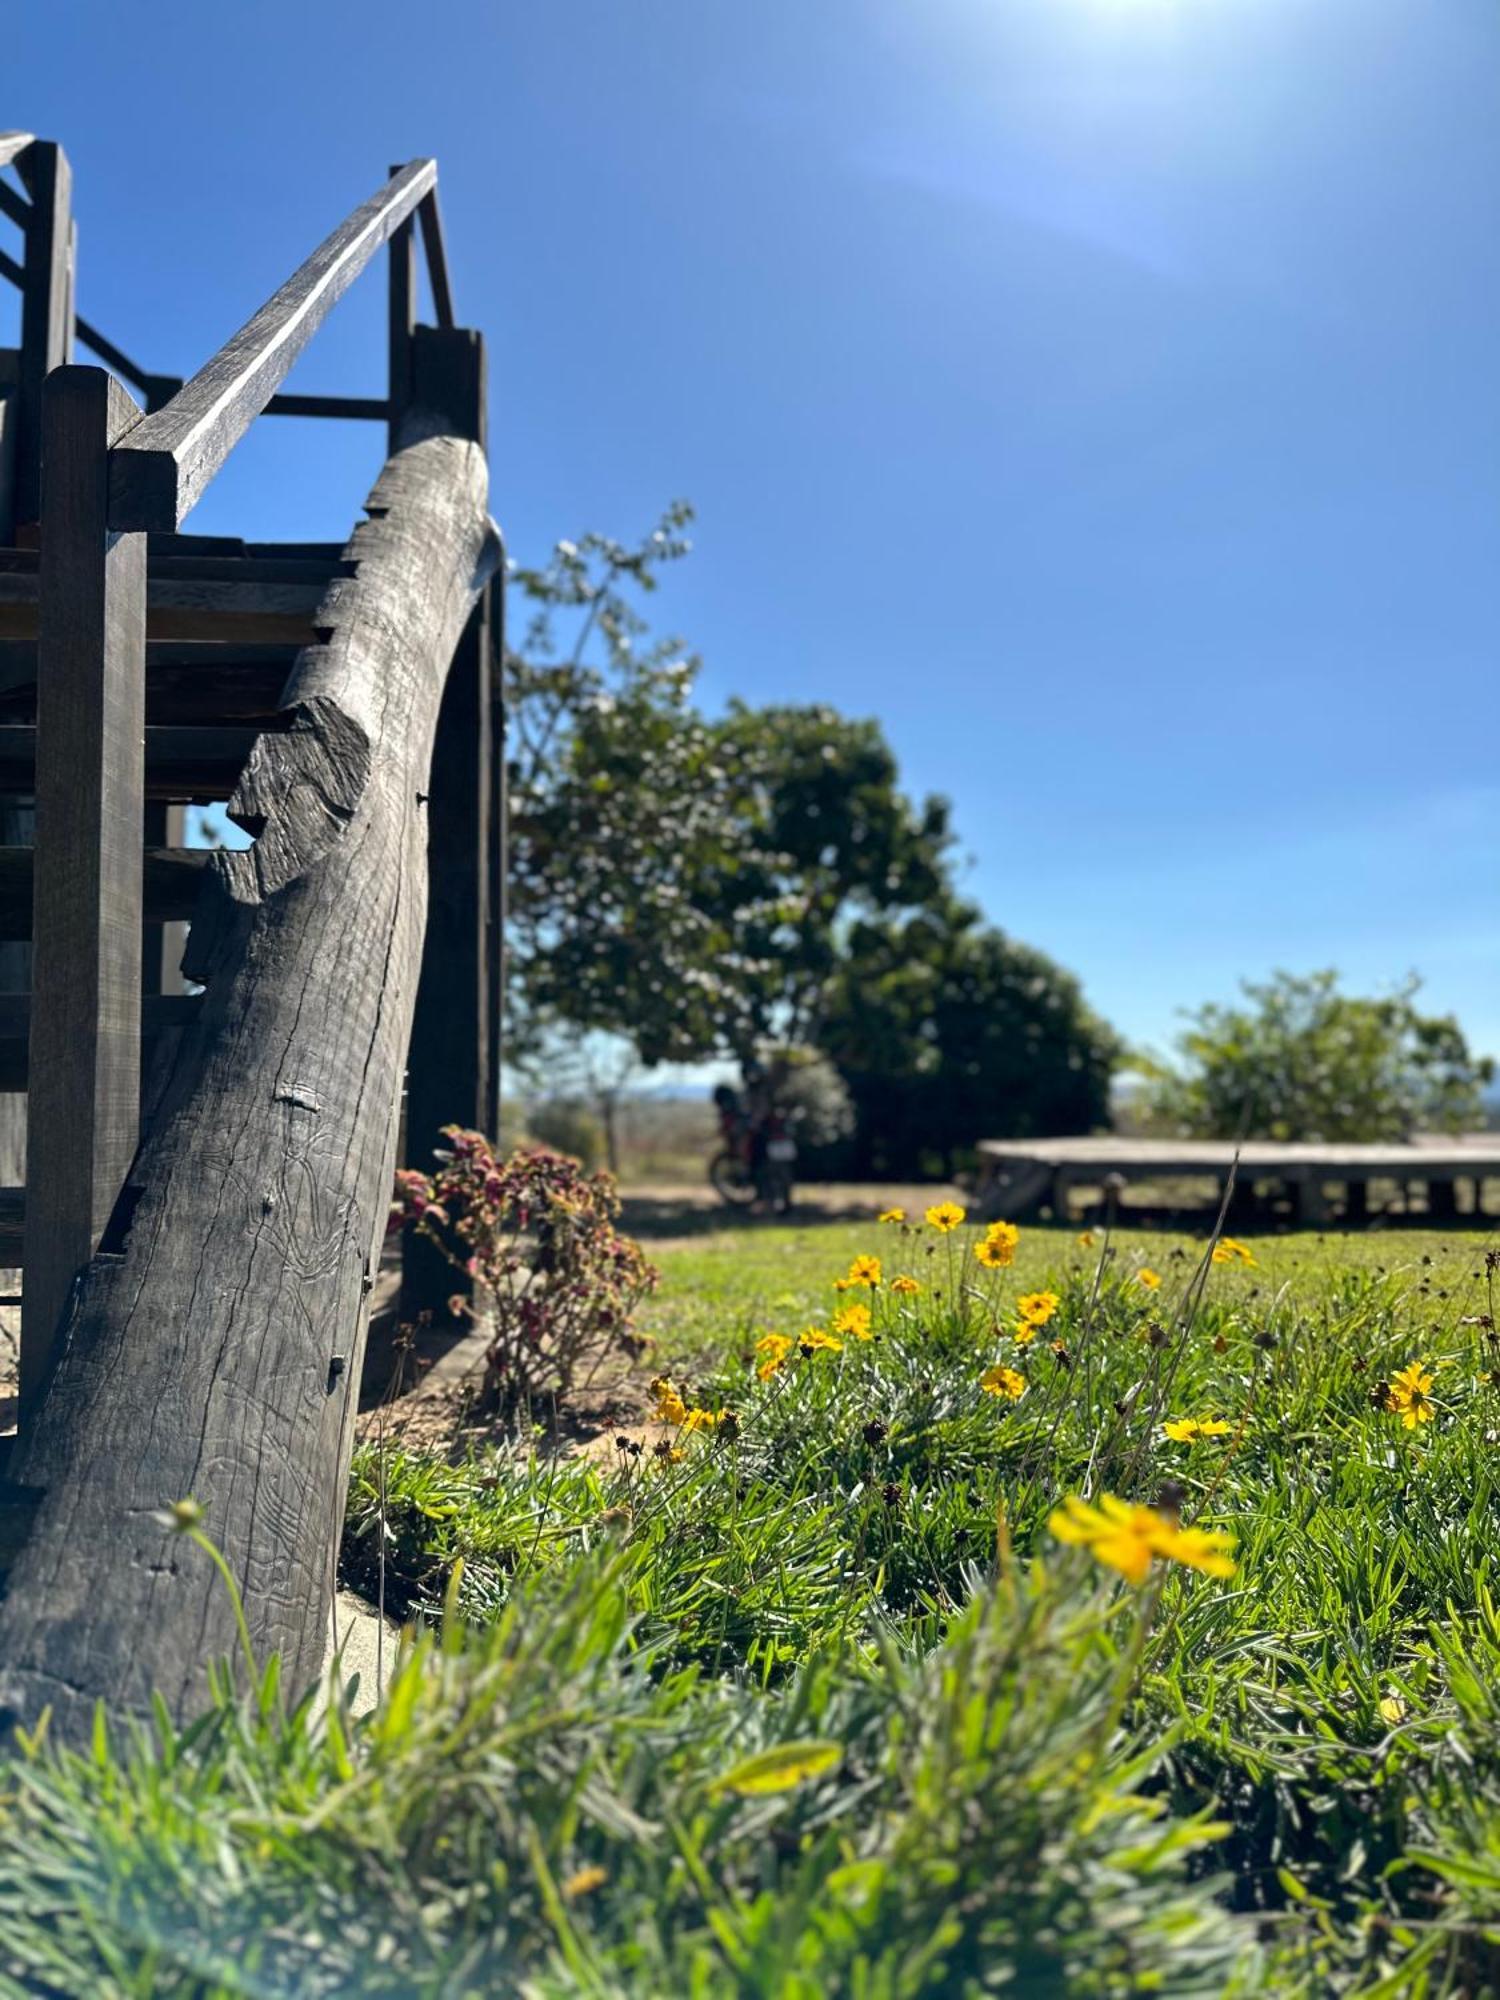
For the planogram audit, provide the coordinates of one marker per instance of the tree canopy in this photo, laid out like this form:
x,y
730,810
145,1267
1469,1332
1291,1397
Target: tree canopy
x,y
1302,1060
704,886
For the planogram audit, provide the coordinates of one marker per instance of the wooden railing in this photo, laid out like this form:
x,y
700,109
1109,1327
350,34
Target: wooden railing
x,y
91,476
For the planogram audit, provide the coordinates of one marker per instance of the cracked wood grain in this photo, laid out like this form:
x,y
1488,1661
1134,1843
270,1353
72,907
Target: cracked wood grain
x,y
198,1356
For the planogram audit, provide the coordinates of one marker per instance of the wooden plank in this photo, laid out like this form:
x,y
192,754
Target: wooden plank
x,y
1184,1158
163,1016
356,409
260,613
12,1222
13,144
10,411
84,1068
163,467
194,682
216,1352
431,218
448,1069
185,765
46,327
15,206
401,319
171,879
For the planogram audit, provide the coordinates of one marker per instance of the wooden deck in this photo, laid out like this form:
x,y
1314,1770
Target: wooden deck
x,y
1024,1174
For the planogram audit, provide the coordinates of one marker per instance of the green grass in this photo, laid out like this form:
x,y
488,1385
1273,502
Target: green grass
x,y
822,1706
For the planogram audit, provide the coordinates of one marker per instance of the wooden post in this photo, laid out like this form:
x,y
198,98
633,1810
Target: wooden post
x,y
46,305
401,295
498,845
448,1070
84,1064
10,418
215,1351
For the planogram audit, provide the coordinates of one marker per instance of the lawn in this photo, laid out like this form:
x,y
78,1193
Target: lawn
x,y
819,1686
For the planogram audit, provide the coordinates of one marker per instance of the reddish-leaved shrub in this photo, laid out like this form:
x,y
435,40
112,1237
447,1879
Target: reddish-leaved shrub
x,y
537,1236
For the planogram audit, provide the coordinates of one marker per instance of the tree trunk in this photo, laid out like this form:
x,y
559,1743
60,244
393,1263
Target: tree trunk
x,y
213,1348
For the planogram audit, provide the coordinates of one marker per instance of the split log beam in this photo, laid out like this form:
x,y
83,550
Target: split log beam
x,y
214,1346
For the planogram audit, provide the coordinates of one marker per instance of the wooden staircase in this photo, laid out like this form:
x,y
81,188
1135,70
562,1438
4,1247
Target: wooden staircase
x,y
337,699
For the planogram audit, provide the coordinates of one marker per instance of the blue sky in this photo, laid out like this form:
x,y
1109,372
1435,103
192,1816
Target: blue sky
x,y
1104,393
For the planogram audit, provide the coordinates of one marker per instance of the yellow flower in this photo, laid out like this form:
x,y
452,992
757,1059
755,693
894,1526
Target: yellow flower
x,y
1229,1250
1004,1233
893,1215
815,1337
1114,1532
1086,1239
582,1880
1149,1278
1409,1395
1184,1430
856,1320
1025,1332
1037,1307
1001,1381
699,1420
1200,1548
775,1347
1391,1708
1127,1537
945,1215
670,1408
907,1287
863,1271
993,1254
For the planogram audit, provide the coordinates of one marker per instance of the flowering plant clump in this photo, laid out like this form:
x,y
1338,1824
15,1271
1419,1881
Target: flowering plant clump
x,y
555,1280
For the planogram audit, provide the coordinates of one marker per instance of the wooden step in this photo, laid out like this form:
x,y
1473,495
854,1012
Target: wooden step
x,y
187,682
171,878
199,597
160,1013
189,766
12,1213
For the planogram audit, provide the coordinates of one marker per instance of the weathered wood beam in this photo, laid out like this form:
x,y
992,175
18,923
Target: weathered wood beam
x,y
448,1072
13,144
46,305
356,409
215,1349
171,879
431,218
182,765
84,1068
161,470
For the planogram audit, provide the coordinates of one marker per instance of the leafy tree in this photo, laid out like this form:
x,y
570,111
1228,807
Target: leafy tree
x,y
616,804
681,882
1305,1061
947,1032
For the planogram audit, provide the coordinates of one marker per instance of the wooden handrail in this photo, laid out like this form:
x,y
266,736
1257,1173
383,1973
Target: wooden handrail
x,y
164,464
13,144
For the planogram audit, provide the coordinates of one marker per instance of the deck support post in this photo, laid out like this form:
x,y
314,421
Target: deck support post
x,y
84,1064
449,1069
46,306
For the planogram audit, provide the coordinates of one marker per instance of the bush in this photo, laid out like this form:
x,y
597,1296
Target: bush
x,y
1304,1061
536,1234
947,1033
